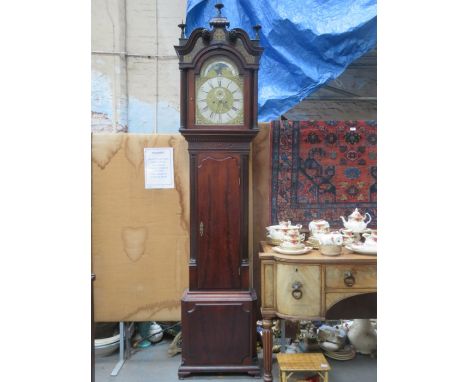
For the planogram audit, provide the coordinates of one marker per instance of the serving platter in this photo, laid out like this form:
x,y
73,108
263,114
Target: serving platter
x,y
362,249
300,251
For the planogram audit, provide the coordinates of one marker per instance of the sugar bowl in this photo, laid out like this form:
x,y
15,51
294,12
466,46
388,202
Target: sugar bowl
x,y
330,243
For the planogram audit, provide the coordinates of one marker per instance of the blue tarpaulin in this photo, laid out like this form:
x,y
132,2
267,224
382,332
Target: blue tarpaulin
x,y
307,42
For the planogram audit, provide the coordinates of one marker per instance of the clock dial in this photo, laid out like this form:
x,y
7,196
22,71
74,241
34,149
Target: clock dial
x,y
219,94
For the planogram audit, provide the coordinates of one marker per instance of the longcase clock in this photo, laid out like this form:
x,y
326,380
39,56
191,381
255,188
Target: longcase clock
x,y
219,69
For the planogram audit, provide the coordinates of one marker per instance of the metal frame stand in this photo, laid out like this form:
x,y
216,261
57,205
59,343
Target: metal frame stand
x,y
124,350
283,335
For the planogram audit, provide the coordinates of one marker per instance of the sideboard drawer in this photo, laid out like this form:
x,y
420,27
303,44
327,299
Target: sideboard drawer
x,y
298,290
350,276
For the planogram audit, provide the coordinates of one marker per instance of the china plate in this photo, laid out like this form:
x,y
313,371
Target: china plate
x,y
362,249
292,251
344,354
337,356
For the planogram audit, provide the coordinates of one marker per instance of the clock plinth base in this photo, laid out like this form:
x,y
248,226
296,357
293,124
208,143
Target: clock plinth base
x,y
187,371
218,333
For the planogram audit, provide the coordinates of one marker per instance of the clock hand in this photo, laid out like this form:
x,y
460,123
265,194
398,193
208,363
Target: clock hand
x,y
217,109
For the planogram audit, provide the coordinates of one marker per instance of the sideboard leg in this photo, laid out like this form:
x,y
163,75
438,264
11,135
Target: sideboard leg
x,y
267,350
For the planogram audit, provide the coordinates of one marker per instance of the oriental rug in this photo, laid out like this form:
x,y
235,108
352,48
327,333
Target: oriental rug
x,y
323,170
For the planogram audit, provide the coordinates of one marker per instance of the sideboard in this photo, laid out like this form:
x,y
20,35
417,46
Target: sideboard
x,y
314,287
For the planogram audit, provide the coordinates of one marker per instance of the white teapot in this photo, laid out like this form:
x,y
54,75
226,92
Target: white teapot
x,y
356,222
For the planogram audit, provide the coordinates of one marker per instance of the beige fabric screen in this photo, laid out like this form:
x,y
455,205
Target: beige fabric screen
x,y
140,237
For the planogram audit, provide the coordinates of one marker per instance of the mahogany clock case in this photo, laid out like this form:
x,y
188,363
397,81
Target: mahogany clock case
x,y
219,308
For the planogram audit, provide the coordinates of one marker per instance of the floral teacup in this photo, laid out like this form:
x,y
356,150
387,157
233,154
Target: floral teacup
x,y
318,226
331,238
348,236
371,238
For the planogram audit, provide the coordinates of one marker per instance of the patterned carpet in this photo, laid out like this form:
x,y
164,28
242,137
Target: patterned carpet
x,y
323,169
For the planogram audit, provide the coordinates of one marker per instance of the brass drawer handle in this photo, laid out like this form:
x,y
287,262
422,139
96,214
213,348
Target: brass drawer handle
x,y
349,279
201,229
296,292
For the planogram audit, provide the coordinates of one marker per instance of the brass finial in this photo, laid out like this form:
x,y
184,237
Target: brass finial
x,y
219,21
219,6
257,28
182,29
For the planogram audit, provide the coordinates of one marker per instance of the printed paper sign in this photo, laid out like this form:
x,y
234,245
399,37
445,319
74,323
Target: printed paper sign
x,y
159,167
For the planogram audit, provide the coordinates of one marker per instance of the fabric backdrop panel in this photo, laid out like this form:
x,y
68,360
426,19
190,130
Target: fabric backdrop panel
x,y
323,170
307,42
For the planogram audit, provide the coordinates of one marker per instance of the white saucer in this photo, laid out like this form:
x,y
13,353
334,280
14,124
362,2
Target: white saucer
x,y
295,248
363,249
367,230
292,251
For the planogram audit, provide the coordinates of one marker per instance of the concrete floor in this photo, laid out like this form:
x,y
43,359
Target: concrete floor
x,y
154,365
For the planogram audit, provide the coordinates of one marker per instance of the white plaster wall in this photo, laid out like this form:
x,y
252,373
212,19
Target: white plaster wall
x,y
135,75
142,25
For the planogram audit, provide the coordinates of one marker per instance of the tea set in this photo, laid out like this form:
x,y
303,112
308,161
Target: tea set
x,y
287,238
276,233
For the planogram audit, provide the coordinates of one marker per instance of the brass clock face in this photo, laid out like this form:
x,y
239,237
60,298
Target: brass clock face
x,y
219,94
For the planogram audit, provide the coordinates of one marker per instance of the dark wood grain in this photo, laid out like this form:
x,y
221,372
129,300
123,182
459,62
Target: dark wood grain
x,y
183,97
218,210
212,324
93,367
359,306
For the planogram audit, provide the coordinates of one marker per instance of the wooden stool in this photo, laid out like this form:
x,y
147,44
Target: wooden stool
x,y
291,363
